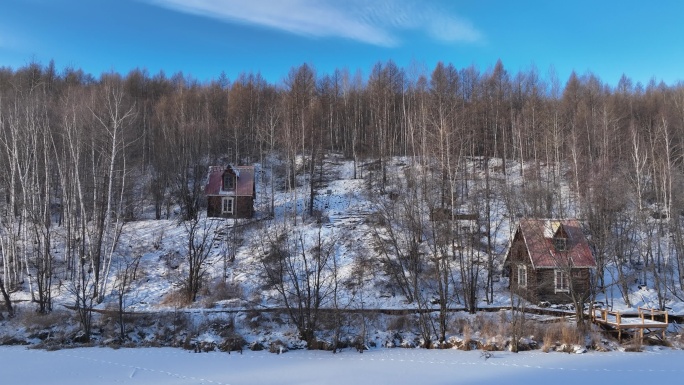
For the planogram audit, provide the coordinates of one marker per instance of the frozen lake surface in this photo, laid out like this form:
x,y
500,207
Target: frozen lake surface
x,y
170,366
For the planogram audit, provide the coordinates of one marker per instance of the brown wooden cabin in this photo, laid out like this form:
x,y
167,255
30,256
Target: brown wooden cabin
x,y
231,192
549,260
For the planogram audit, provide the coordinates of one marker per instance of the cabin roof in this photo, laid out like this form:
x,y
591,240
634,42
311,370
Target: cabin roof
x,y
538,235
244,185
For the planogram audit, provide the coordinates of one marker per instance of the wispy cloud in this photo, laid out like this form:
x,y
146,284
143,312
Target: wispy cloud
x,y
374,22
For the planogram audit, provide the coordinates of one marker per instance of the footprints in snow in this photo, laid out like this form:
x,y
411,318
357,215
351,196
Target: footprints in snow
x,y
136,368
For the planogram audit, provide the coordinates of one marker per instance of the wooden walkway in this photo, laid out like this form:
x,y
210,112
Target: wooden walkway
x,y
644,321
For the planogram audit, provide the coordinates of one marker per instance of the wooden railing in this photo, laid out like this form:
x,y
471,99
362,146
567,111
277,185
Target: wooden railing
x,y
605,313
643,314
644,311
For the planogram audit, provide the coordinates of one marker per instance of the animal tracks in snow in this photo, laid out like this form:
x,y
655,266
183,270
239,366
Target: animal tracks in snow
x,y
135,369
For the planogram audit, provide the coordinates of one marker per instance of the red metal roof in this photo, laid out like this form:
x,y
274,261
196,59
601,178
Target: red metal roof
x,y
244,184
538,235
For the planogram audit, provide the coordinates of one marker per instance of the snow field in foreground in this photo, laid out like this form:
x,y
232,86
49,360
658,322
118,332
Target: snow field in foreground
x,y
171,366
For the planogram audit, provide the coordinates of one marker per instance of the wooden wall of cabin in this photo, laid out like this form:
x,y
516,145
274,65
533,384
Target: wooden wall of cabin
x,y
519,255
244,207
546,285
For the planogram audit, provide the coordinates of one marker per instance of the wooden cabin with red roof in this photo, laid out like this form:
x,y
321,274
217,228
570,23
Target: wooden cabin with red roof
x,y
231,192
550,260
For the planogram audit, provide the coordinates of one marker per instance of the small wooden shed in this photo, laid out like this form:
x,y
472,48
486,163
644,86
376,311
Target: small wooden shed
x,y
231,192
549,260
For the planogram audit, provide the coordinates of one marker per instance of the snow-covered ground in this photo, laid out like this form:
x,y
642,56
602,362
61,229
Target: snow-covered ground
x,y
234,292
170,366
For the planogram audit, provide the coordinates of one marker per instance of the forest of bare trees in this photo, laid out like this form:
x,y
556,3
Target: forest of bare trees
x,y
87,154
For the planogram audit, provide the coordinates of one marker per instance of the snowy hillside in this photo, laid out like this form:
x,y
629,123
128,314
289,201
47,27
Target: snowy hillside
x,y
335,272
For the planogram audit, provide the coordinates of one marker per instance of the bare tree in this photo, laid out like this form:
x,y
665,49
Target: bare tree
x,y
6,298
517,321
126,275
113,117
83,289
301,267
400,237
200,237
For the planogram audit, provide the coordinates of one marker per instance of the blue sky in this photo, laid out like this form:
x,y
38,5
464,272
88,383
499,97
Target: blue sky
x,y
205,37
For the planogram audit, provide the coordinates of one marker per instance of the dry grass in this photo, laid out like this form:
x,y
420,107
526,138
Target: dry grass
x,y
467,337
676,341
635,345
488,327
504,324
176,298
458,324
570,335
221,291
34,320
549,341
562,333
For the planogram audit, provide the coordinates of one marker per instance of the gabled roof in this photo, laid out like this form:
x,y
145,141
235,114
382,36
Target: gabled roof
x,y
538,235
244,185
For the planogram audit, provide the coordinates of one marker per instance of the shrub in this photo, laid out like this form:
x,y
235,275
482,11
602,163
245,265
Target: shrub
x,y
459,324
277,347
488,327
234,342
398,323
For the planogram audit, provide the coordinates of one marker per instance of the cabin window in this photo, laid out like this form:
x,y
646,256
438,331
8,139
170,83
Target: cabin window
x,y
522,276
560,244
227,205
228,182
562,283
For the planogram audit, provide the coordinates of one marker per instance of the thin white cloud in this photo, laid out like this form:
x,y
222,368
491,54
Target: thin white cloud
x,y
377,22
438,23
453,29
